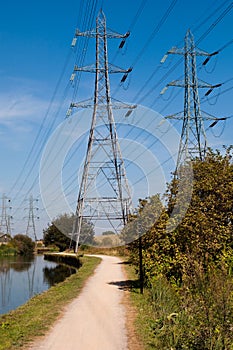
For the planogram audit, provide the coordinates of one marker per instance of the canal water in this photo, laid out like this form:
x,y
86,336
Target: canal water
x,y
21,278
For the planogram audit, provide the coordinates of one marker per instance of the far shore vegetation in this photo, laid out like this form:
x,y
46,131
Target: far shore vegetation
x,y
18,245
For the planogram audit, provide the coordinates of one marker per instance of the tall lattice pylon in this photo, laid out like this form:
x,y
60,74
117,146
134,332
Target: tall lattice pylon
x,y
104,194
193,142
31,227
5,222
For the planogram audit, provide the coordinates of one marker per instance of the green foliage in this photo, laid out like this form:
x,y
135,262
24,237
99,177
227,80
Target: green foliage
x,y
7,249
106,242
205,233
53,236
207,298
189,269
106,233
206,229
23,244
148,213
60,231
196,316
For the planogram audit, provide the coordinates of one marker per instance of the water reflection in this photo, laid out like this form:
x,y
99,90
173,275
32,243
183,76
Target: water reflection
x,y
21,263
5,280
21,278
53,275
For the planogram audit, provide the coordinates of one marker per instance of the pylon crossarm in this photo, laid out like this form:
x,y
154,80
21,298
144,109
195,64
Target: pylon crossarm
x,y
90,104
110,34
200,52
92,69
88,33
181,83
180,51
114,69
176,51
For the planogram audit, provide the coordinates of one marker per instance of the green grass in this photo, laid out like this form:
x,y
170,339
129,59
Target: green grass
x,y
169,317
155,322
6,249
19,327
144,309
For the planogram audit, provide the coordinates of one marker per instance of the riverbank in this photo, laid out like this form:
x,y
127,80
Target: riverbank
x,y
70,259
19,327
22,277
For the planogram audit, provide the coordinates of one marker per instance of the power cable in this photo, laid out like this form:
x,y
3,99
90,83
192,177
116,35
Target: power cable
x,y
155,31
206,33
171,70
41,126
48,131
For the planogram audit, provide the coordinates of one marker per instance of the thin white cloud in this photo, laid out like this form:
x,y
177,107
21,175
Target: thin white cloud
x,y
21,108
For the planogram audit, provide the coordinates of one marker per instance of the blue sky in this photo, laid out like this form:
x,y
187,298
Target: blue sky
x,y
36,62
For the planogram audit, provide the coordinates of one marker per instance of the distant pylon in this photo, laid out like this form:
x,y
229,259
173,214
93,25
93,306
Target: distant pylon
x,y
5,222
193,142
104,194
31,227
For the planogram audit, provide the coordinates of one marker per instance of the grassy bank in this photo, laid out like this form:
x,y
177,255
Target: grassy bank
x,y
148,325
60,258
169,317
142,307
6,250
155,329
19,327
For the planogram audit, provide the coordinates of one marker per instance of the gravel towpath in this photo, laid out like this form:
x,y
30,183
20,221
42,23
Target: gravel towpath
x,y
96,319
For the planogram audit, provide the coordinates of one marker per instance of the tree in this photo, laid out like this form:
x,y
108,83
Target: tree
x,y
204,237
189,268
23,244
59,232
106,233
207,228
144,218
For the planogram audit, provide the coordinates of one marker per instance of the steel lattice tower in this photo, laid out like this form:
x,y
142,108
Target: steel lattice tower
x,y
31,217
193,142
5,223
104,192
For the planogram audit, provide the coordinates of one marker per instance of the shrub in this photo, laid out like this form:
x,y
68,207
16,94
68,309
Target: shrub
x,y
23,244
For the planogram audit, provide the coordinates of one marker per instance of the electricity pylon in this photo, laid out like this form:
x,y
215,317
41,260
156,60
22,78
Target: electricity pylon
x,y
193,142
5,222
104,193
31,217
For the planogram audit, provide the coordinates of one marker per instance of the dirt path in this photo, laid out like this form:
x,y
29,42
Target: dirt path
x,y
96,319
